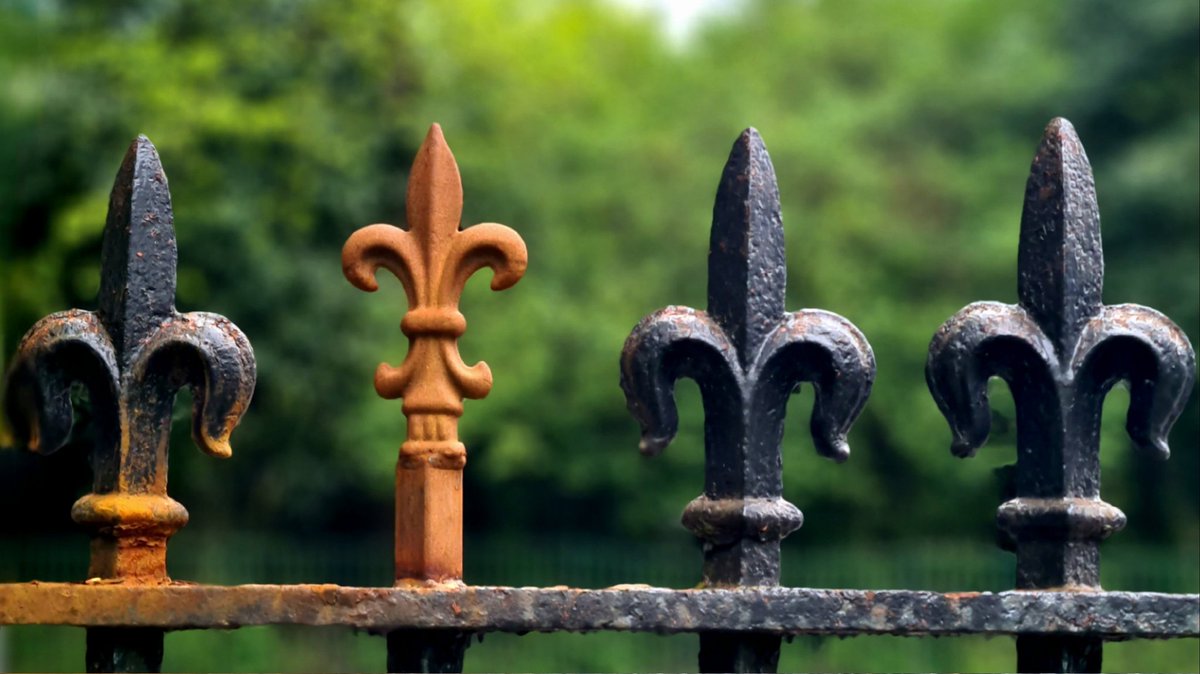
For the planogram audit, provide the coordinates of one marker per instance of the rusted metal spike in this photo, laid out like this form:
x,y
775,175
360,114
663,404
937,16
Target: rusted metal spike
x,y
433,260
138,253
747,355
133,354
1060,350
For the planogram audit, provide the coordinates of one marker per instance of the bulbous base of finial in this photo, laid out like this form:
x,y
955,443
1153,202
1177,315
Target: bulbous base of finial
x,y
129,534
1057,540
725,520
741,537
1058,519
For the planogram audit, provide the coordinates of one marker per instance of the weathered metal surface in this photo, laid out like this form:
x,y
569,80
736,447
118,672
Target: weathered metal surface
x,y
748,355
124,649
133,354
427,650
1060,349
433,259
763,610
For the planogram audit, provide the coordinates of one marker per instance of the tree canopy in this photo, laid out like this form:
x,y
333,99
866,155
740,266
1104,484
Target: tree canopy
x,y
901,134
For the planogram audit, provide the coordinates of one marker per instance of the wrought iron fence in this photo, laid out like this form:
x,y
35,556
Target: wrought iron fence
x,y
1059,348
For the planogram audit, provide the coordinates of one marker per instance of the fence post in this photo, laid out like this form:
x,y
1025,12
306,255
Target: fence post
x,y
748,355
133,354
433,260
1060,349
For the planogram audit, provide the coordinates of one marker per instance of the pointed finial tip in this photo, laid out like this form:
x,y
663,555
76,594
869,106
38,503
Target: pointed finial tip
x,y
751,138
435,141
1061,130
1061,125
748,149
142,143
142,150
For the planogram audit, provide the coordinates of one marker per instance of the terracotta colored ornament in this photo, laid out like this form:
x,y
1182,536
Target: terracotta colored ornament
x,y
433,260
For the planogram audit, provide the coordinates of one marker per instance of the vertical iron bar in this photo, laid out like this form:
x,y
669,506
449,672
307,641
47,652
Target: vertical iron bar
x,y
133,354
748,354
731,652
433,259
426,650
1037,653
124,649
1061,349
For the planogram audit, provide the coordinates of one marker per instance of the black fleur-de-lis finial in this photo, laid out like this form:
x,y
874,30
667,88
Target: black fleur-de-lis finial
x,y
132,354
1060,349
748,355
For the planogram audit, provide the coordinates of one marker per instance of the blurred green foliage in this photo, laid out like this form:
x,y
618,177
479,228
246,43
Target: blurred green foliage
x,y
901,133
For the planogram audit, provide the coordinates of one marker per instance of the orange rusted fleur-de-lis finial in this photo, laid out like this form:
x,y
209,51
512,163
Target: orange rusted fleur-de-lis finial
x,y
433,259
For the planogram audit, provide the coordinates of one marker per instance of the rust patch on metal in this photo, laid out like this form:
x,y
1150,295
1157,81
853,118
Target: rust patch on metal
x,y
130,533
749,610
133,354
433,260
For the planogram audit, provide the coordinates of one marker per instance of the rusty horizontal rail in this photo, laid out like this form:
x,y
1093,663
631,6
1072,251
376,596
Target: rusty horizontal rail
x,y
768,610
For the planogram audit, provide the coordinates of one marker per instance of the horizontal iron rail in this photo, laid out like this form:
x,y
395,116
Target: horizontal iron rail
x,y
772,610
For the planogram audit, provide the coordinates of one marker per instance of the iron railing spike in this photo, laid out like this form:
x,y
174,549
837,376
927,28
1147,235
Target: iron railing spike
x,y
748,355
433,260
133,354
1060,350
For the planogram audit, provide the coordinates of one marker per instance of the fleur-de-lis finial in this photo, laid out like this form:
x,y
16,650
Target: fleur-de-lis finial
x,y
433,260
132,354
748,355
1060,349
